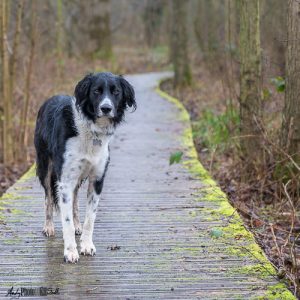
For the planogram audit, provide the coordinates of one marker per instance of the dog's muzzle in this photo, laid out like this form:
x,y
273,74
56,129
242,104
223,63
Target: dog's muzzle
x,y
106,108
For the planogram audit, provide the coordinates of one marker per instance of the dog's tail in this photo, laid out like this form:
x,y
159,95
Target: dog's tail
x,y
47,177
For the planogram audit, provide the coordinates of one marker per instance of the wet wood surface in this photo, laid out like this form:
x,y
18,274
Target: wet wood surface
x,y
152,236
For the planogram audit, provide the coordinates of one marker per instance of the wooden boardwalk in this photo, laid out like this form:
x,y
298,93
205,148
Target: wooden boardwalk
x,y
156,229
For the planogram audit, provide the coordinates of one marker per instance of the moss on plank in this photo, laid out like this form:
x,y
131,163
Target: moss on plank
x,y
7,197
276,292
29,174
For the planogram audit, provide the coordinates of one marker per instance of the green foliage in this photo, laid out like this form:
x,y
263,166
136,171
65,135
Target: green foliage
x,y
175,157
279,83
215,130
285,171
216,233
266,94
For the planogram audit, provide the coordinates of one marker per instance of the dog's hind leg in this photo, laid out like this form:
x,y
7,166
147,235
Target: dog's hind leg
x,y
77,225
48,229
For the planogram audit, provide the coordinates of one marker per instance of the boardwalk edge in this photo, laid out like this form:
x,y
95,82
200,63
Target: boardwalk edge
x,y
212,192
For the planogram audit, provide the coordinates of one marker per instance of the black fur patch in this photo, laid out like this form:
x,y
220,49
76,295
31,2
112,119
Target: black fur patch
x,y
98,184
54,126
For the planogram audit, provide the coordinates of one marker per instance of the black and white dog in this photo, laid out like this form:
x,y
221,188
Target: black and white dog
x,y
72,139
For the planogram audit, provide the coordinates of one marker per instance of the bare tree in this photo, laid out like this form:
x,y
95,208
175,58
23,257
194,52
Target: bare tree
x,y
153,15
59,40
99,28
250,85
230,45
179,44
290,136
25,112
13,64
7,107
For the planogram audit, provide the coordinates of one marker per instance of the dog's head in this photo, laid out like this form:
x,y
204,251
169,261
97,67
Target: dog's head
x,y
104,95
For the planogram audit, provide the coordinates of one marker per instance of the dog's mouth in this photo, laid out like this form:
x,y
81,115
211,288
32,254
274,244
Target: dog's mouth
x,y
106,110
105,116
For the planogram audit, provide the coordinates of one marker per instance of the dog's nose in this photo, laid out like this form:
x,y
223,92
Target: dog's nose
x,y
106,108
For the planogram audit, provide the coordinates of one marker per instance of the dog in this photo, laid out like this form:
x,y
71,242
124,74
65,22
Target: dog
x,y
72,138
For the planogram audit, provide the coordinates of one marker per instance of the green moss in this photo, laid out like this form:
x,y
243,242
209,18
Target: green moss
x,y
17,211
21,188
193,213
15,241
10,196
277,292
29,174
235,234
256,270
7,197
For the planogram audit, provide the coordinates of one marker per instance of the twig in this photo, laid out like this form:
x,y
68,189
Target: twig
x,y
293,215
275,241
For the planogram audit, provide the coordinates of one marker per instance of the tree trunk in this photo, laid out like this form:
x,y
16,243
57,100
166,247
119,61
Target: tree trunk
x,y
59,42
179,44
13,63
250,85
201,31
152,21
290,136
24,120
7,109
230,45
99,28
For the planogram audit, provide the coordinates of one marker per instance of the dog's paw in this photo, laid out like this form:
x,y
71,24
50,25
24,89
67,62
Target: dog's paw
x,y
78,229
87,248
71,255
48,230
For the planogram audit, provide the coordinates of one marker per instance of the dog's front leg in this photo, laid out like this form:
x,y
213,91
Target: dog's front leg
x,y
76,220
87,246
66,211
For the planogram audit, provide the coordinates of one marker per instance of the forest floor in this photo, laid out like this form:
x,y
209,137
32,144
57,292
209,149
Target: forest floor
x,y
273,220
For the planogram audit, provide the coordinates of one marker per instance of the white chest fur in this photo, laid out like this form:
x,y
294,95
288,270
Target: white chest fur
x,y
87,152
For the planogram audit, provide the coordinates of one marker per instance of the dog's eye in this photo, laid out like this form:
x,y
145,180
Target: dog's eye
x,y
116,92
98,91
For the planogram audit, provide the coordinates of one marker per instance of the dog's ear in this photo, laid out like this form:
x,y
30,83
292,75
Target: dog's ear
x,y
128,93
82,89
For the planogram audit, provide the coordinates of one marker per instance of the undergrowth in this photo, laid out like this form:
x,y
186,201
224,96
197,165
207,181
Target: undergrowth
x,y
215,131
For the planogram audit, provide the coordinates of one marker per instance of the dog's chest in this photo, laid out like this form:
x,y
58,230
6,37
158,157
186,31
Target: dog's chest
x,y
90,147
85,154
